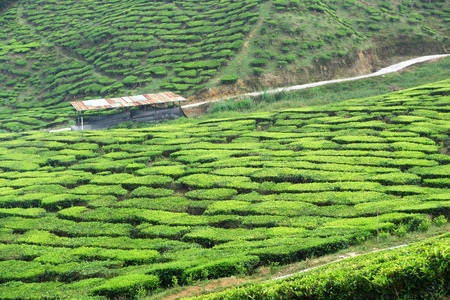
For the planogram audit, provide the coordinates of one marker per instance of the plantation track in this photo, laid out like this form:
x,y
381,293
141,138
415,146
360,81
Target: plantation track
x,y
391,69
335,261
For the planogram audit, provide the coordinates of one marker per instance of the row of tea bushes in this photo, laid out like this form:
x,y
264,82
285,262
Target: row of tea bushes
x,y
420,270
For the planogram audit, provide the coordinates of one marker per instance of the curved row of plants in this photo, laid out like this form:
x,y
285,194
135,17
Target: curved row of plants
x,y
124,212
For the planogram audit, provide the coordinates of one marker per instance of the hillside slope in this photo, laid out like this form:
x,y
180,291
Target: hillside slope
x,y
53,51
124,212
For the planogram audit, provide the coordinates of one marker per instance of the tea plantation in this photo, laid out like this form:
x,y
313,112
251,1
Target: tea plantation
x,y
53,51
117,213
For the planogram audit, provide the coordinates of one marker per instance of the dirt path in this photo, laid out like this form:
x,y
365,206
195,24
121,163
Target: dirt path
x,y
250,38
228,282
348,255
387,70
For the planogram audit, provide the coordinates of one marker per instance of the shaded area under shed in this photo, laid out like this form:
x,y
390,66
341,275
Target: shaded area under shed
x,y
141,108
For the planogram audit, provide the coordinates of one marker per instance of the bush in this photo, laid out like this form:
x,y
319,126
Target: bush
x,y
211,194
172,171
401,231
258,71
58,201
440,221
406,146
260,62
89,189
21,290
424,226
21,62
129,256
110,179
68,228
130,80
169,273
163,231
102,165
22,271
129,286
176,204
150,192
23,212
396,178
150,180
229,79
222,268
437,182
374,27
18,165
210,181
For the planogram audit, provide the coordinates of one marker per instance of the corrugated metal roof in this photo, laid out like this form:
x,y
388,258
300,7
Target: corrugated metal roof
x,y
146,99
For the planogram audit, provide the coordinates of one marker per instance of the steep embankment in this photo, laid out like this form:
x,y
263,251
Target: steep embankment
x,y
390,69
52,52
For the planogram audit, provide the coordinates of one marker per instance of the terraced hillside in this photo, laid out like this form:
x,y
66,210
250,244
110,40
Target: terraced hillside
x,y
123,212
55,51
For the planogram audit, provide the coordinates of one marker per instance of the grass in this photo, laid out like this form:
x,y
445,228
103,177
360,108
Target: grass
x,y
274,270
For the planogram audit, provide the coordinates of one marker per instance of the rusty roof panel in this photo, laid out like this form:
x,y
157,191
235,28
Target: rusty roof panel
x,y
127,101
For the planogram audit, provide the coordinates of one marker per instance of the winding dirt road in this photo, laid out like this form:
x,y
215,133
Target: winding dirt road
x,y
390,69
